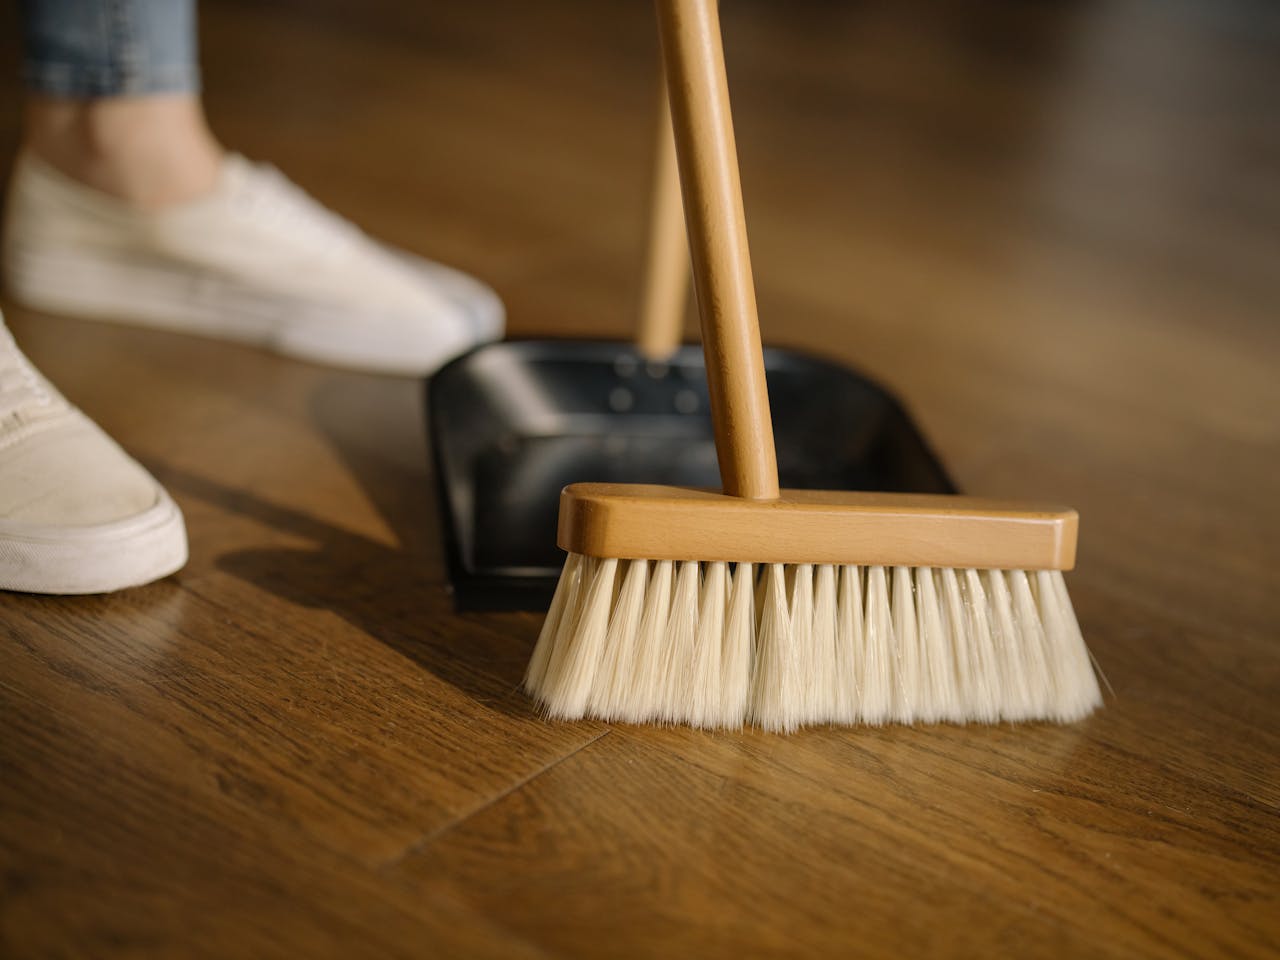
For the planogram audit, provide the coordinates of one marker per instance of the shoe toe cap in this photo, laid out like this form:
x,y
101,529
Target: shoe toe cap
x,y
478,304
73,476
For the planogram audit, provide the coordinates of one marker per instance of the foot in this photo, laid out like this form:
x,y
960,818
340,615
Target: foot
x,y
254,259
77,514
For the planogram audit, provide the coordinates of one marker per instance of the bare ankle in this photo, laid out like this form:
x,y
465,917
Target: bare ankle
x,y
152,151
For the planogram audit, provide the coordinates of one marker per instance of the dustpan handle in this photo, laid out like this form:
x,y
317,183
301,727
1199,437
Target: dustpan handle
x,y
703,128
666,278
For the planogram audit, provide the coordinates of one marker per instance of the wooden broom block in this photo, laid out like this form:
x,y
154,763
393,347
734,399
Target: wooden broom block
x,y
632,521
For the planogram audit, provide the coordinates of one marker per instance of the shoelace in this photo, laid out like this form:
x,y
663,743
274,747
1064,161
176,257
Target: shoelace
x,y
23,392
272,198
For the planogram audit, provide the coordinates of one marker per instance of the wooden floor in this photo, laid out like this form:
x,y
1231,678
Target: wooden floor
x,y
1054,229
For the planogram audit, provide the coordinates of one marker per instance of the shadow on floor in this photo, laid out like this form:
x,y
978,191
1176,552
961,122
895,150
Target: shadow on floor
x,y
396,594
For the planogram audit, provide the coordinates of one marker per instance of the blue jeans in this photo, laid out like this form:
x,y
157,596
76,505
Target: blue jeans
x,y
108,48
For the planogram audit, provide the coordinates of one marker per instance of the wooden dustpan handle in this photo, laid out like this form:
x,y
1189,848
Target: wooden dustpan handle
x,y
666,280
694,61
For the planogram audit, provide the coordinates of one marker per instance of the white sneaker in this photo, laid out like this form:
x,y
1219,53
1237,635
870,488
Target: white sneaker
x,y
77,514
256,260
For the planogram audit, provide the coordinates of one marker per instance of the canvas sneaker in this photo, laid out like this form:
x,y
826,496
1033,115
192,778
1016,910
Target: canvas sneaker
x,y
255,260
77,514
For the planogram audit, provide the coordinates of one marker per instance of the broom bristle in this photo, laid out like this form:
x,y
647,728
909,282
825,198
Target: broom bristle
x,y
717,645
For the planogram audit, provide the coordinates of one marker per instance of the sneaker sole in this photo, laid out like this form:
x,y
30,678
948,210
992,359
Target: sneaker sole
x,y
182,300
94,559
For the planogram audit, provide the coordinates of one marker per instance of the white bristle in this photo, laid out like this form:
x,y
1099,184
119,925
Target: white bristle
x,y
576,660
761,582
567,586
849,645
783,647
1075,682
1031,642
907,675
776,692
704,708
876,704
739,649
641,694
826,657
941,696
958,632
1018,680
564,639
802,641
675,691
612,682
986,684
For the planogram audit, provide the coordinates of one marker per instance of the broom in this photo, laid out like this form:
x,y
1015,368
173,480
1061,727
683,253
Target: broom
x,y
785,608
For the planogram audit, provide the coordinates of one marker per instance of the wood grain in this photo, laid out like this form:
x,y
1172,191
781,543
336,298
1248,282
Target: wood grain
x,y
1052,229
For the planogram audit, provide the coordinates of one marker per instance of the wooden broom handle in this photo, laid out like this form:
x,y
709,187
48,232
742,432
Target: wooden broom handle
x,y
666,280
703,128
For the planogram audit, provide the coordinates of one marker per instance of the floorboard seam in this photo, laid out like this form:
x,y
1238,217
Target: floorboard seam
x,y
430,837
34,699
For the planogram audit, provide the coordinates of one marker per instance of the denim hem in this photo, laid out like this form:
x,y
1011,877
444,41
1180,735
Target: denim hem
x,y
81,81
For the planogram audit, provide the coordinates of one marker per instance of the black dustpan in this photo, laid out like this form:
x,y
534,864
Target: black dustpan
x,y
513,423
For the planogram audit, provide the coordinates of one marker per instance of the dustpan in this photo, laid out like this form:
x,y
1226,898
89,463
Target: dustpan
x,y
512,423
